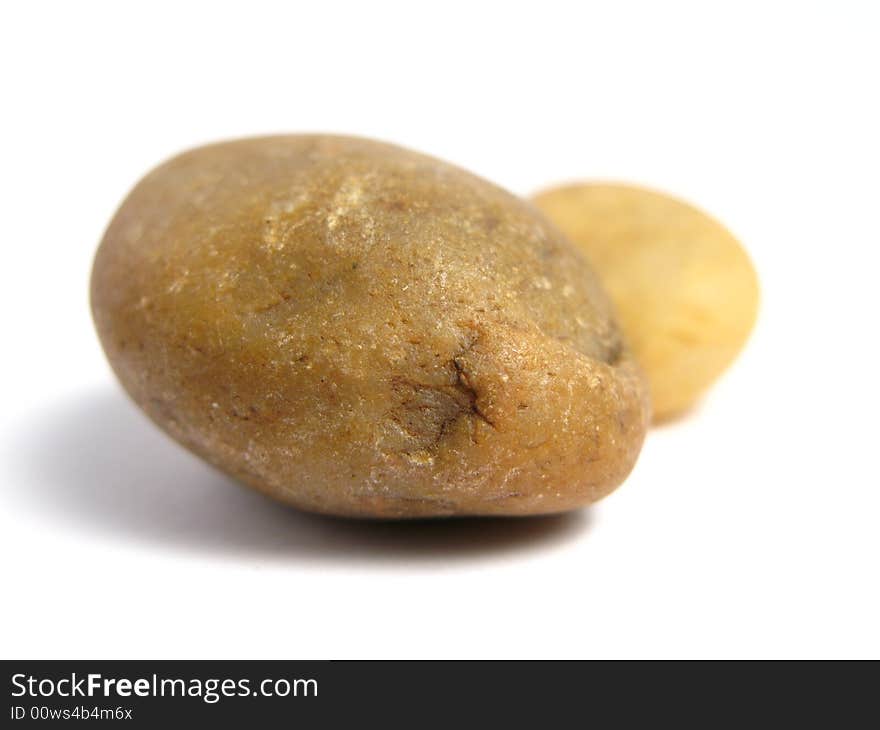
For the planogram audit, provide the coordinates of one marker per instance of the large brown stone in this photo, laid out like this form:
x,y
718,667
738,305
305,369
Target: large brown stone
x,y
358,329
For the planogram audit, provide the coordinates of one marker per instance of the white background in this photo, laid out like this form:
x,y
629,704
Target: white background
x,y
749,529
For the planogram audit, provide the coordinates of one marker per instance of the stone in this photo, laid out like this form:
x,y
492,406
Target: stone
x,y
360,330
684,289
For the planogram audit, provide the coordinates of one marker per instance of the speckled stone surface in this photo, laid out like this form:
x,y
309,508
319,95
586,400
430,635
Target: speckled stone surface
x,y
358,329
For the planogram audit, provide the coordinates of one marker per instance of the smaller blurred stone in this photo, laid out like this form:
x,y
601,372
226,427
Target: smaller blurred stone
x,y
685,291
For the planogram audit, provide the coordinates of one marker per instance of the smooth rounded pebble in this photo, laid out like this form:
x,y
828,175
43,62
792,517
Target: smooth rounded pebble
x,y
357,329
684,289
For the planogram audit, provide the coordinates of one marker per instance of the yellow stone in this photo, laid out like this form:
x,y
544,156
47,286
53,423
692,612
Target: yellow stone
x,y
685,291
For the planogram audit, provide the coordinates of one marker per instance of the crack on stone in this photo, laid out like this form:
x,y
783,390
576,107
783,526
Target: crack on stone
x,y
463,383
428,412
